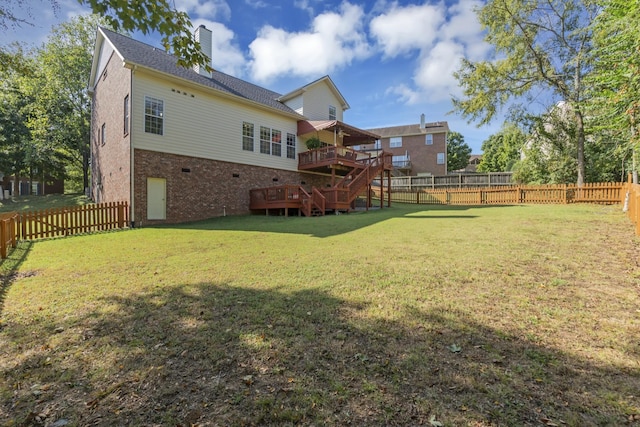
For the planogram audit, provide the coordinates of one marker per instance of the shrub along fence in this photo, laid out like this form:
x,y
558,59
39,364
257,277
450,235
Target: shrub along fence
x,y
16,226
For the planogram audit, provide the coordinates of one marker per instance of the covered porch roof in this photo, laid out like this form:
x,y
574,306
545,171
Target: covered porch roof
x,y
350,135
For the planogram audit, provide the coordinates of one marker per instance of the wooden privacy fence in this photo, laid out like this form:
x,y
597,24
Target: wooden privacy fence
x,y
632,204
65,221
605,193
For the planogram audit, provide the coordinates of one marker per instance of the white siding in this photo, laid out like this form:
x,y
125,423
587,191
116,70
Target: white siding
x,y
317,99
203,125
105,53
296,104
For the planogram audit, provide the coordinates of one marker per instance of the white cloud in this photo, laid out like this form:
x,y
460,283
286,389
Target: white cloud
x,y
205,9
403,29
438,38
226,56
334,41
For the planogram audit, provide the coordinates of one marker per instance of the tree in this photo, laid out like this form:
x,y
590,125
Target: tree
x,y
458,152
540,46
146,16
62,105
614,103
501,151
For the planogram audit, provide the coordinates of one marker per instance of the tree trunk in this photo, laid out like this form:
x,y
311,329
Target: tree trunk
x,y
580,154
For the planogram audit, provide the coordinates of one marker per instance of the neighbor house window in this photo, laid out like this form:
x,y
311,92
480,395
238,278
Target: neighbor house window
x,y
395,142
291,146
247,136
440,159
153,115
126,115
103,133
429,139
276,142
332,112
377,145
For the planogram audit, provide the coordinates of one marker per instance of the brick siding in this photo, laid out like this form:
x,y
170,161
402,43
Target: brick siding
x,y
201,188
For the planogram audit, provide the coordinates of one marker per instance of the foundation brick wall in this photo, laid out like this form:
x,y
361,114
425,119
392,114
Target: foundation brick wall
x,y
110,164
201,188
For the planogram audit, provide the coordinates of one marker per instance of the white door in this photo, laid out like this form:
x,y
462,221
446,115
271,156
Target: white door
x,y
156,198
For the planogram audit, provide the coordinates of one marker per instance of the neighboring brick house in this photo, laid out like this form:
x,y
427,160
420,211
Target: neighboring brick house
x,y
28,186
418,149
186,144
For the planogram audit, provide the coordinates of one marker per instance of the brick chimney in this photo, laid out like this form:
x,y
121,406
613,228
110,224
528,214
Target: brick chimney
x,y
204,37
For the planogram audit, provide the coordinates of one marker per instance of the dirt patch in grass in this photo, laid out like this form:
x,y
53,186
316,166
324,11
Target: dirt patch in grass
x,y
519,321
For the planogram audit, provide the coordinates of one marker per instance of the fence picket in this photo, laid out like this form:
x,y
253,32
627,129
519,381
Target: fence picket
x,y
56,222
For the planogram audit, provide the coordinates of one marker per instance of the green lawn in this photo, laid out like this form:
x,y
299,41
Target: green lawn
x,y
413,315
33,203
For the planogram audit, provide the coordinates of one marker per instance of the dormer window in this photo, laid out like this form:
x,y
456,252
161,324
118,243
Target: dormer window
x,y
332,112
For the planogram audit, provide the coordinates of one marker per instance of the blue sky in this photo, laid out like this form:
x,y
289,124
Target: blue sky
x,y
392,61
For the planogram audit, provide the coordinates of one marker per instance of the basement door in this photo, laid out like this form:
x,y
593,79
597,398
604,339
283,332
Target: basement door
x,y
156,198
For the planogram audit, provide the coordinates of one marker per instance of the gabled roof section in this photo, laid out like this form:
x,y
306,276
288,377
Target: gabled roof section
x,y
327,80
407,130
137,54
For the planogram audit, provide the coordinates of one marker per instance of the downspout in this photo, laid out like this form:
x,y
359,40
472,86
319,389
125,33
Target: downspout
x,y
132,181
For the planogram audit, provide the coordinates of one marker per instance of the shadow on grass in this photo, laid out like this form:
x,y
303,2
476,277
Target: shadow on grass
x,y
211,354
329,225
9,268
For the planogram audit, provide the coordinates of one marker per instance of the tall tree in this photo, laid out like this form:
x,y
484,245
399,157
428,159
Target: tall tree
x,y
458,152
614,102
62,104
501,151
539,45
146,16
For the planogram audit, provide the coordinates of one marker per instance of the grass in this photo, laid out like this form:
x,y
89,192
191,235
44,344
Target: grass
x,y
33,203
414,315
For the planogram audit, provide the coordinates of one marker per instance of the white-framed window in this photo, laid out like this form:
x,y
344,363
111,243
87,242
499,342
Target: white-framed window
x,y
126,115
440,159
153,115
332,112
270,141
395,142
276,143
247,136
401,161
265,140
291,146
377,145
429,139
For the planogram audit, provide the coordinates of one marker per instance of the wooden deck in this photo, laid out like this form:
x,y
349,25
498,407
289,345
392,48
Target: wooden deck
x,y
355,169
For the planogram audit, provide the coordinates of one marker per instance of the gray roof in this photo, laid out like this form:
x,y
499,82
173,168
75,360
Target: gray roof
x,y
405,130
147,56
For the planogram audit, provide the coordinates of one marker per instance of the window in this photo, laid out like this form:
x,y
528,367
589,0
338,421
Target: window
x,y
377,145
395,142
332,112
440,159
429,139
401,161
276,142
103,133
356,147
247,136
126,115
265,140
291,146
153,115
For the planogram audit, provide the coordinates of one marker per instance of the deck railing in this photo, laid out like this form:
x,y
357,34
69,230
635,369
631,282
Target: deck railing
x,y
64,221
